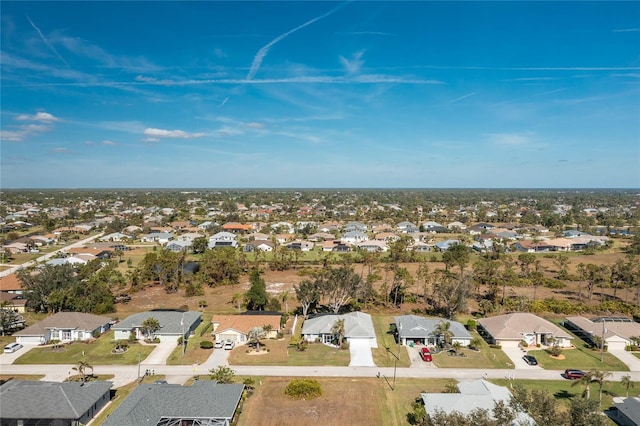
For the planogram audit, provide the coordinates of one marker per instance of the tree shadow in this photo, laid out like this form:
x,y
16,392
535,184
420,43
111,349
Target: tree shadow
x,y
564,394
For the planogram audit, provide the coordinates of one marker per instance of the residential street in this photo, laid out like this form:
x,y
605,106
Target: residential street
x,y
127,374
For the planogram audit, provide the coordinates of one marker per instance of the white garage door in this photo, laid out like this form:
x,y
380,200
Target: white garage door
x,y
616,346
509,344
29,340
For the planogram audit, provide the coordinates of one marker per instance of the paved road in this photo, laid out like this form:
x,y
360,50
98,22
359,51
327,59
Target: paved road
x,y
49,255
127,374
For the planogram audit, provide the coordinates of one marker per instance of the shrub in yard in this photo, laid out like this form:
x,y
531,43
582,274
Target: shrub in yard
x,y
303,389
205,344
471,324
495,346
554,351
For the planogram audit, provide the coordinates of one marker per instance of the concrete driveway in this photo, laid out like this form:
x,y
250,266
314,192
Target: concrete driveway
x,y
416,360
628,358
360,351
515,355
9,358
161,353
218,357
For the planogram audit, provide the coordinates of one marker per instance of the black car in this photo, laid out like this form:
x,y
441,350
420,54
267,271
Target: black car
x,y
530,359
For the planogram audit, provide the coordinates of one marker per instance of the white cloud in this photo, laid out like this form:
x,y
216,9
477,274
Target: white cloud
x,y
219,53
39,116
354,64
61,150
108,142
151,140
255,125
176,134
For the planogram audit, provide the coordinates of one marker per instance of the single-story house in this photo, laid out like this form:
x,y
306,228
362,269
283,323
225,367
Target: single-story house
x,y
259,245
203,403
14,302
511,329
475,394
416,329
445,245
237,327
173,324
157,237
10,284
65,327
627,411
617,331
354,237
372,246
178,246
32,402
357,326
115,236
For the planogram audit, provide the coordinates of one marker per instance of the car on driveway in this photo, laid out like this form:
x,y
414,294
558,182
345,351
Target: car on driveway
x,y
218,344
12,347
530,359
425,354
573,374
229,345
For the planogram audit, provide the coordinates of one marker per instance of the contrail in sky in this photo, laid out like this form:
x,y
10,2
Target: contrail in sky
x,y
257,60
44,39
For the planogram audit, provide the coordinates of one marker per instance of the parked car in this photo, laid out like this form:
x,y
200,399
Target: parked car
x,y
573,374
530,359
160,382
12,347
229,345
425,354
218,344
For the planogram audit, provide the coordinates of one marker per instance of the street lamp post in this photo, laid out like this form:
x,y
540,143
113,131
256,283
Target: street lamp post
x,y
183,338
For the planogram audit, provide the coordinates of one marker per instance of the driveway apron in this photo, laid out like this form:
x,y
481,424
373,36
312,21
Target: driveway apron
x,y
360,353
161,353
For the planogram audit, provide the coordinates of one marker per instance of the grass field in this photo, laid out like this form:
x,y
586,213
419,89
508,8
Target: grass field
x,y
97,352
581,358
193,352
381,356
354,401
281,353
485,358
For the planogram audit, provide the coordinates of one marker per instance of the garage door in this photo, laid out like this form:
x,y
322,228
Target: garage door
x,y
509,344
616,346
33,340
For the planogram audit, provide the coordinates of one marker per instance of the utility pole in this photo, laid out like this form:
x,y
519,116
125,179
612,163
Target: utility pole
x,y
138,366
183,338
602,343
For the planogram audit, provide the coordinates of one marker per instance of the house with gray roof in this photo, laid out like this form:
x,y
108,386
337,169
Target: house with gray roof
x,y
357,326
476,394
203,403
173,324
32,402
421,330
618,332
65,327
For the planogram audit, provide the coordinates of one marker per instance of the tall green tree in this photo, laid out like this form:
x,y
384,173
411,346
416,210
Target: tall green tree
x,y
149,327
220,267
256,297
307,293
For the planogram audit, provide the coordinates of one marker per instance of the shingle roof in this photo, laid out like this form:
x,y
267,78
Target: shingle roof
x,y
147,404
414,326
67,320
513,326
24,399
169,321
356,324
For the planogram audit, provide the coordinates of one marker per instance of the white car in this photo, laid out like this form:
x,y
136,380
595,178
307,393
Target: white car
x,y
229,345
12,347
218,344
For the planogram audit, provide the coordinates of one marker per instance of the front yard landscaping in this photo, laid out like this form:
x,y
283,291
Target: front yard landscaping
x,y
97,352
193,352
486,357
581,357
280,352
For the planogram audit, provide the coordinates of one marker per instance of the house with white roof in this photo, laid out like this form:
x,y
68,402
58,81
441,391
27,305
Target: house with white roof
x,y
358,326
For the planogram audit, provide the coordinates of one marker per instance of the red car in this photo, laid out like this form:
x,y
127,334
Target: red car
x,y
573,374
425,354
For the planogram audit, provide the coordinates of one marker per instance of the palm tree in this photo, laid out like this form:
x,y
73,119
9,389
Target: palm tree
x,y
627,383
600,377
284,297
338,331
586,382
442,330
81,368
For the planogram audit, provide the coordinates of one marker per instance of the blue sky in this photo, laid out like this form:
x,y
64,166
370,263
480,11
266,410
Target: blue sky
x,y
320,94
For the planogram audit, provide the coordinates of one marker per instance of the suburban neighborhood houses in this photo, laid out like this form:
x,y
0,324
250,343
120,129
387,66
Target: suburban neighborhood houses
x,y
198,307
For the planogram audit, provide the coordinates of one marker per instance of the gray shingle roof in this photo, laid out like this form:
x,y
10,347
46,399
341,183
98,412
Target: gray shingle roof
x,y
356,324
24,399
67,320
147,404
169,321
417,327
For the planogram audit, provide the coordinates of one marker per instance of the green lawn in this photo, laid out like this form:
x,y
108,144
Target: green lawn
x,y
381,356
636,354
581,358
97,352
193,352
485,358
